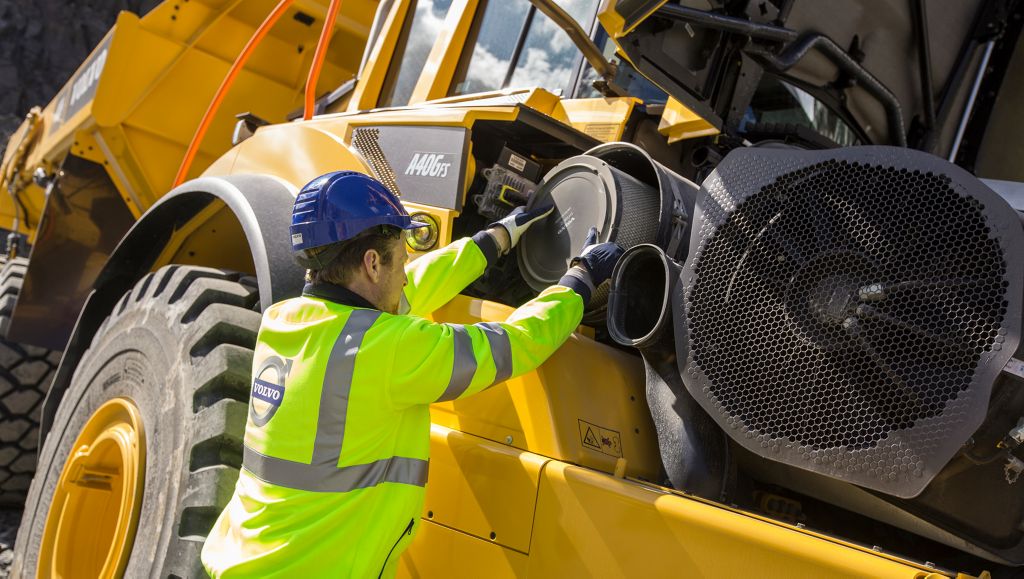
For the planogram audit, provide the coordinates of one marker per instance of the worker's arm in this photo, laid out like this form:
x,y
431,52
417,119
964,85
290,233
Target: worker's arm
x,y
436,362
435,278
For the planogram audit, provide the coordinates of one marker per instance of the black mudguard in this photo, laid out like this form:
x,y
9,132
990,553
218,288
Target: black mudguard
x,y
262,205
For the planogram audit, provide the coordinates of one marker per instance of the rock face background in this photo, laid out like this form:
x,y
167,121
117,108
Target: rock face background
x,y
42,42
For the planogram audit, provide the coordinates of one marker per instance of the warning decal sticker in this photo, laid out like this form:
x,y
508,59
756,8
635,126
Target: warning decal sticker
x,y
602,440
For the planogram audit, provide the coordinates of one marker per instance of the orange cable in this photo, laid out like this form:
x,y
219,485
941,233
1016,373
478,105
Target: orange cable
x,y
229,79
318,59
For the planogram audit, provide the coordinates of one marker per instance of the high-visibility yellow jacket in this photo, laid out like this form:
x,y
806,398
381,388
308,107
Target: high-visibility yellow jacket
x,y
337,441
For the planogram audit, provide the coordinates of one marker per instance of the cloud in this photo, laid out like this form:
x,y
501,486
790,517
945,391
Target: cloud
x,y
539,71
548,55
485,73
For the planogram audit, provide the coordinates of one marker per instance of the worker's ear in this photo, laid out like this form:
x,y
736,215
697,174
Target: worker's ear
x,y
372,265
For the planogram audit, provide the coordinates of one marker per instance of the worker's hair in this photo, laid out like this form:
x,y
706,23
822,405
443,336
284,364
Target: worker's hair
x,y
345,256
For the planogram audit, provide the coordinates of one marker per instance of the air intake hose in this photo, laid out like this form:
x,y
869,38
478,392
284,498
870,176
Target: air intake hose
x,y
693,448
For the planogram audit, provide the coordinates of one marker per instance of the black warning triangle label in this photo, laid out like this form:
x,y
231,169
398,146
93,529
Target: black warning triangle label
x,y
590,439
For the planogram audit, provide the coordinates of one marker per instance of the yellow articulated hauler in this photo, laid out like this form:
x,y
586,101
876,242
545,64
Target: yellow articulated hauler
x,y
807,363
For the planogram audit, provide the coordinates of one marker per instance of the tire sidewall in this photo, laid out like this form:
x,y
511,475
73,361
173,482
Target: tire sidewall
x,y
143,342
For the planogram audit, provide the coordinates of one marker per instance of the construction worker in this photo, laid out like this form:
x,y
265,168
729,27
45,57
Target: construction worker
x,y
337,440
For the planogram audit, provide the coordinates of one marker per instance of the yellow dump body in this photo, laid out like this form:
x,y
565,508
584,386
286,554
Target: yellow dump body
x,y
134,104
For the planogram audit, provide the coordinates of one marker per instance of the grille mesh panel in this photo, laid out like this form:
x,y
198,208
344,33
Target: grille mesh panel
x,y
367,142
843,314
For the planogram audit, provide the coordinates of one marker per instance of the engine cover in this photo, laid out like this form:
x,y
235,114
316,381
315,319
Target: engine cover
x,y
848,311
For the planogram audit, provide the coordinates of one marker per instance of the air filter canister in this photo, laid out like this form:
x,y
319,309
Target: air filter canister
x,y
586,192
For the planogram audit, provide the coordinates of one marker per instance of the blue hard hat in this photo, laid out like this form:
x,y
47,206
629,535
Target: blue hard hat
x,y
340,205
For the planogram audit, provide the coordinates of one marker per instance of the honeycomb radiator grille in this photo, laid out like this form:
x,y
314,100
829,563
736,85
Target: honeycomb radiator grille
x,y
848,315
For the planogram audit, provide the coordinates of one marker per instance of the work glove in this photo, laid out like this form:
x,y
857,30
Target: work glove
x,y
521,218
598,258
592,267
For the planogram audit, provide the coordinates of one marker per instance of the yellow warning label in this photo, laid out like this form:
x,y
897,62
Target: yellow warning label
x,y
603,440
603,131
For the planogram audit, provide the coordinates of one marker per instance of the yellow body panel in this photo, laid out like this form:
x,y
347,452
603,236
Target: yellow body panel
x,y
468,473
678,123
548,411
440,66
602,118
590,524
296,154
444,552
583,523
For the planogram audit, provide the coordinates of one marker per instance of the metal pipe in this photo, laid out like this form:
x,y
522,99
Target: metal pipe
x,y
579,37
924,62
229,79
318,59
969,107
796,51
727,23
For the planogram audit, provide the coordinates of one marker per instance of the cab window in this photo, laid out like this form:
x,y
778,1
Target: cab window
x,y
514,45
779,102
414,44
627,77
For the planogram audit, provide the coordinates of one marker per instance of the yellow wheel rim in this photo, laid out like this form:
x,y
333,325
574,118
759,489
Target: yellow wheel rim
x,y
91,524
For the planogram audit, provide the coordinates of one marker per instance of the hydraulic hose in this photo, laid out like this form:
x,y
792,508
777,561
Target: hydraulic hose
x,y
229,79
318,60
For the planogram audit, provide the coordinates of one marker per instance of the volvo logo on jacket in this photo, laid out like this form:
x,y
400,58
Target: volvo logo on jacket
x,y
268,389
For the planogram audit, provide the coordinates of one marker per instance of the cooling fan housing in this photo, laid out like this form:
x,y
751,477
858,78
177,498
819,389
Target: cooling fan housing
x,y
848,311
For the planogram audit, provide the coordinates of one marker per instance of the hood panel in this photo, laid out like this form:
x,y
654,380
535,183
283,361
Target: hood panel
x,y
711,56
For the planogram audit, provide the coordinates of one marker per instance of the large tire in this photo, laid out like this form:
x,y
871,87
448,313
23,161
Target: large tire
x,y
26,373
179,345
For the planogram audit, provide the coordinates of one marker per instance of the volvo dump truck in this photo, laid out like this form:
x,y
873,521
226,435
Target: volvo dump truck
x,y
807,364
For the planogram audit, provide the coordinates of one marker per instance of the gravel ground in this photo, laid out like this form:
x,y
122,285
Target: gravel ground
x,y
9,520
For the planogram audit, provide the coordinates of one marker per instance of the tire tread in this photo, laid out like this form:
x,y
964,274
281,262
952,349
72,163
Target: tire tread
x,y
26,373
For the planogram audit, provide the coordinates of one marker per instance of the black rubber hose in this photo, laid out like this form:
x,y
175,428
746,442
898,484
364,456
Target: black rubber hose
x,y
796,51
694,450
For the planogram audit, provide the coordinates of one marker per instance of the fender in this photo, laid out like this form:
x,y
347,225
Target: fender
x,y
261,203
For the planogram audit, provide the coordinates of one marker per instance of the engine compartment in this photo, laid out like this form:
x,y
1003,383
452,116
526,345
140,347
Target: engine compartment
x,y
852,350
618,187
965,514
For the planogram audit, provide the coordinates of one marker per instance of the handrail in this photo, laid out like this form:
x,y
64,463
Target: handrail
x,y
225,84
318,59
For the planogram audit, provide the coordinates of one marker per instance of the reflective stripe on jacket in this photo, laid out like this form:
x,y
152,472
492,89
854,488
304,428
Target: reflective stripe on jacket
x,y
337,440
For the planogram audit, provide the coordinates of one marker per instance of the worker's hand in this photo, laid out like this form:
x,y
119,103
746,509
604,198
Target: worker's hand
x,y
517,222
598,258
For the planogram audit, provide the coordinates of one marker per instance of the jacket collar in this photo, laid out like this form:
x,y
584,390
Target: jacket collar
x,y
337,294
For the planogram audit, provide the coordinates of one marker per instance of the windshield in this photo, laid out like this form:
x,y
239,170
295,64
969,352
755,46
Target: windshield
x,y
512,44
778,102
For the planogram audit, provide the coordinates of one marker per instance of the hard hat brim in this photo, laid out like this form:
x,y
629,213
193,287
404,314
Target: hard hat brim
x,y
416,225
